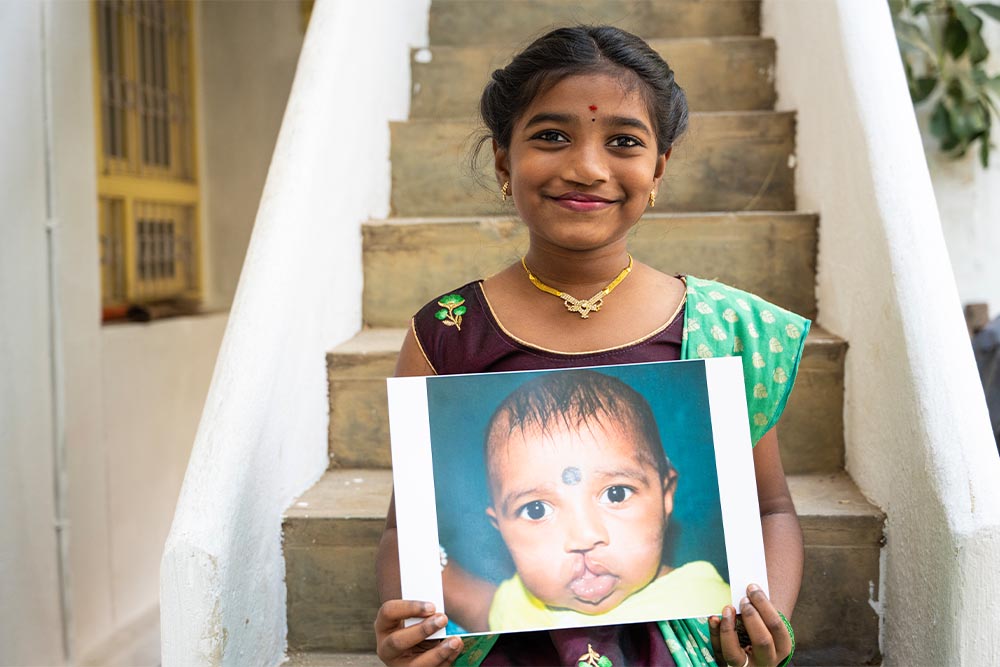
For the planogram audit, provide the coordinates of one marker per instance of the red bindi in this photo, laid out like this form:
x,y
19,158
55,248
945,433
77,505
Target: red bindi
x,y
592,107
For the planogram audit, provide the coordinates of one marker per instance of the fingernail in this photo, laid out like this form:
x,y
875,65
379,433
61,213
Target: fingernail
x,y
744,601
753,588
454,644
440,621
428,608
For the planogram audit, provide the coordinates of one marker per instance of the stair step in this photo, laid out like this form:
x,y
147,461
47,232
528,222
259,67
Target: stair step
x,y
729,161
330,546
309,659
457,22
717,74
771,254
811,430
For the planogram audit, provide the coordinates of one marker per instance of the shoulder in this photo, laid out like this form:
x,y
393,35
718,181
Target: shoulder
x,y
720,320
449,328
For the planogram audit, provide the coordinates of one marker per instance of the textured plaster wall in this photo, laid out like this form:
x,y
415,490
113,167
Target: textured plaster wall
x,y
154,380
29,598
917,435
248,55
77,261
131,396
262,437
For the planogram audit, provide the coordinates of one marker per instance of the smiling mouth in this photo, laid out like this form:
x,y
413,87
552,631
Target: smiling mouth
x,y
579,201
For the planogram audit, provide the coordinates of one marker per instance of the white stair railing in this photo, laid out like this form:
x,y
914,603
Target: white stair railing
x,y
918,439
263,434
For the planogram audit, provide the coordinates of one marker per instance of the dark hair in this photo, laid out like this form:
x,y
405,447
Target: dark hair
x,y
573,399
578,50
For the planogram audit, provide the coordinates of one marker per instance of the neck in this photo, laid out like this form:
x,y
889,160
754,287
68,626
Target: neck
x,y
571,271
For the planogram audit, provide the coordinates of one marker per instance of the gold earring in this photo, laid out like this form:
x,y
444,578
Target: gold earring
x,y
652,198
505,190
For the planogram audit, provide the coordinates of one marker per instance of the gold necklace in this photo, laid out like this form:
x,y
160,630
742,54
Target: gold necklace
x,y
583,306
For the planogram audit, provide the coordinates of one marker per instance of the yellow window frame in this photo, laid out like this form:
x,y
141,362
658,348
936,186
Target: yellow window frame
x,y
145,128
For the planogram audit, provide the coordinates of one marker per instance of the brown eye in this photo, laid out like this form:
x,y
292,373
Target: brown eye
x,y
625,142
616,494
536,510
551,136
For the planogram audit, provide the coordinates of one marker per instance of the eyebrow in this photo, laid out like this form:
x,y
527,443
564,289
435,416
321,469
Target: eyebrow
x,y
614,121
628,473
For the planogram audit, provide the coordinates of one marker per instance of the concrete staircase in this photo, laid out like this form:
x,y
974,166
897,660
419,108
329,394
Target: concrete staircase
x,y
728,212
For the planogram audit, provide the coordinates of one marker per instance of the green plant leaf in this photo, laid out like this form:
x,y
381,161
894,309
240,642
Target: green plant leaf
x,y
956,39
978,51
912,36
969,21
984,151
919,8
922,87
993,84
993,11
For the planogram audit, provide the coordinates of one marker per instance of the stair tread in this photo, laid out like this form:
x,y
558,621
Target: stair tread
x,y
325,659
362,493
719,216
725,113
462,22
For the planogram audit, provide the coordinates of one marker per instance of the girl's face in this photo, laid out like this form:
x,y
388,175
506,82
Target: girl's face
x,y
581,163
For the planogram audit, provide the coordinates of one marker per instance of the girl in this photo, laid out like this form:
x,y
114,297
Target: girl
x,y
582,124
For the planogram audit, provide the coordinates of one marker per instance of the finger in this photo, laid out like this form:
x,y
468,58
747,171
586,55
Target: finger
x,y
760,636
713,635
393,611
443,654
396,643
772,619
732,653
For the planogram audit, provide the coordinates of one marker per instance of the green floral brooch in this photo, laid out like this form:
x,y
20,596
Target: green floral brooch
x,y
452,310
593,659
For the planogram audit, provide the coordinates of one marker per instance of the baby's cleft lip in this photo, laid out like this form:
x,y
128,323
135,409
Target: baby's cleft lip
x,y
593,586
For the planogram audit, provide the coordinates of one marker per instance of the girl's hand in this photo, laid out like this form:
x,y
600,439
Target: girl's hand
x,y
398,646
769,638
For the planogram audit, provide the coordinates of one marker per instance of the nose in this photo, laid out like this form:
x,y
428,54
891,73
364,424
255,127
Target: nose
x,y
587,164
585,530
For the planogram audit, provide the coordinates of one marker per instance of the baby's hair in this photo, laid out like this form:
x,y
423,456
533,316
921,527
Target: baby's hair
x,y
583,49
573,399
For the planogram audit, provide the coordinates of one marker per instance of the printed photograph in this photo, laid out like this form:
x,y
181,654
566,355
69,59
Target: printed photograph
x,y
576,497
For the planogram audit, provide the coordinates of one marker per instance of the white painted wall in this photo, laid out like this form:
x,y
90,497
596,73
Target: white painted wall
x,y
29,598
248,55
154,380
917,434
132,394
968,198
262,437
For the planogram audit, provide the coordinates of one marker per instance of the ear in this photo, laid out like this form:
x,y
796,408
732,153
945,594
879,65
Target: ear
x,y
493,516
669,488
501,163
661,167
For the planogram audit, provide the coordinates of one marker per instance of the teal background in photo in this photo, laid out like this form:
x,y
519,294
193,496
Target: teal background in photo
x,y
460,407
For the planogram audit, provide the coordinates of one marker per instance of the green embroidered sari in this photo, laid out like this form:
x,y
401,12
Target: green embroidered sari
x,y
721,321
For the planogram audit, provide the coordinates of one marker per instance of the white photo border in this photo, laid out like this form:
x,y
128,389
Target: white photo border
x,y
416,513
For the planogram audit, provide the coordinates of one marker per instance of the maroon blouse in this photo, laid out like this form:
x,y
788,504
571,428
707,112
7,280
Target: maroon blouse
x,y
480,344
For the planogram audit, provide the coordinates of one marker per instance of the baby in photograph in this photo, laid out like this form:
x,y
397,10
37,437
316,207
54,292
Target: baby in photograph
x,y
582,492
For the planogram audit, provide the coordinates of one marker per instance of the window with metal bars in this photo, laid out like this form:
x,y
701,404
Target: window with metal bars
x,y
148,190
